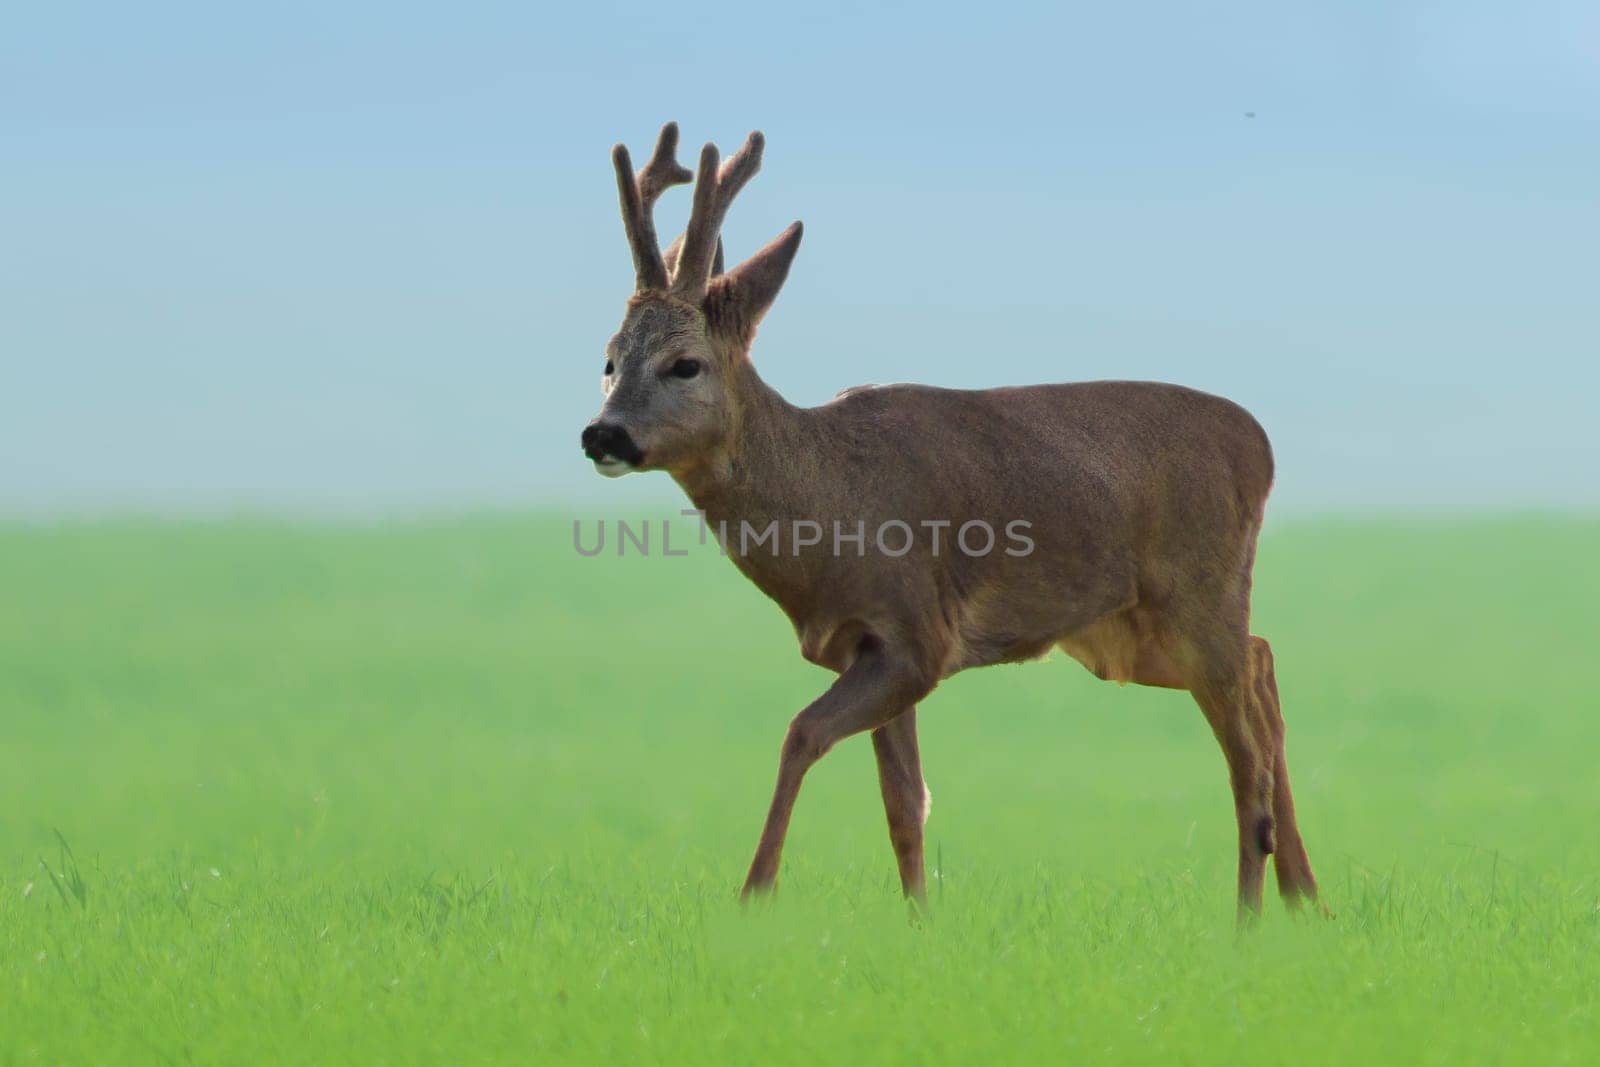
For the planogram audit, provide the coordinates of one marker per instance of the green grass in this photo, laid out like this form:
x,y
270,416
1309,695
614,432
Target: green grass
x,y
447,791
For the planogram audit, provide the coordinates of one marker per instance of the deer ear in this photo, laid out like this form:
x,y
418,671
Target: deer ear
x,y
739,298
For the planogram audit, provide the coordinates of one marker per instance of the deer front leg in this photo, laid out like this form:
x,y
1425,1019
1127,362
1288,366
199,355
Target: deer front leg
x,y
905,797
878,686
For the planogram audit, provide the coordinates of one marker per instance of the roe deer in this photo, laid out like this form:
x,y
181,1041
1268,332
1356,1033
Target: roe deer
x,y
1139,502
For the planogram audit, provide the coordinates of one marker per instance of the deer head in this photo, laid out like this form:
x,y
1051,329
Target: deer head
x,y
674,370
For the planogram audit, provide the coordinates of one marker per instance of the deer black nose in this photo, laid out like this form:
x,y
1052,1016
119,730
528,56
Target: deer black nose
x,y
602,439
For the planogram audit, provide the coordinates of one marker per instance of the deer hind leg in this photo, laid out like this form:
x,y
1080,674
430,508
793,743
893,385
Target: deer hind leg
x,y
1224,691
1293,866
905,797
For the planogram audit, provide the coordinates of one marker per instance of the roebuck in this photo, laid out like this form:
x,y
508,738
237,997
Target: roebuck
x,y
1130,510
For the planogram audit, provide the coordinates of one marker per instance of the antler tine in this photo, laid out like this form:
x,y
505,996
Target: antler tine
x,y
663,170
694,255
649,269
740,167
715,187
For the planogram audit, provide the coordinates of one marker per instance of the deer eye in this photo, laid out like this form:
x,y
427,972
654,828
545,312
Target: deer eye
x,y
609,369
685,368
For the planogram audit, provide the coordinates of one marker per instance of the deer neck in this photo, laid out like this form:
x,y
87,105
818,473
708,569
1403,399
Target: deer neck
x,y
769,464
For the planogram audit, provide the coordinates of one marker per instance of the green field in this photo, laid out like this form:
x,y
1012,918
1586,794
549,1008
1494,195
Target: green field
x,y
445,791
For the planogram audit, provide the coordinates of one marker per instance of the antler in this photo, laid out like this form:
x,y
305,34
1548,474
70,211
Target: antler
x,y
638,193
714,189
671,256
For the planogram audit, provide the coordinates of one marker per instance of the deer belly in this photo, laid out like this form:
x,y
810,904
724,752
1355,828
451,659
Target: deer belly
x,y
1123,648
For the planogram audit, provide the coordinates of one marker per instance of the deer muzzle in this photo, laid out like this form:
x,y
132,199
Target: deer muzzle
x,y
611,448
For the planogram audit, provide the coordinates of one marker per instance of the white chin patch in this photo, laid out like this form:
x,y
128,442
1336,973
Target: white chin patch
x,y
612,467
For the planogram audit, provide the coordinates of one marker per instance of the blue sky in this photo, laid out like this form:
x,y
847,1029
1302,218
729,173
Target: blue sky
x,y
363,257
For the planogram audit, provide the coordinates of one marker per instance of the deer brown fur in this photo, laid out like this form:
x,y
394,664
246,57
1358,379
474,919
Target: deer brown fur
x,y
1141,504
